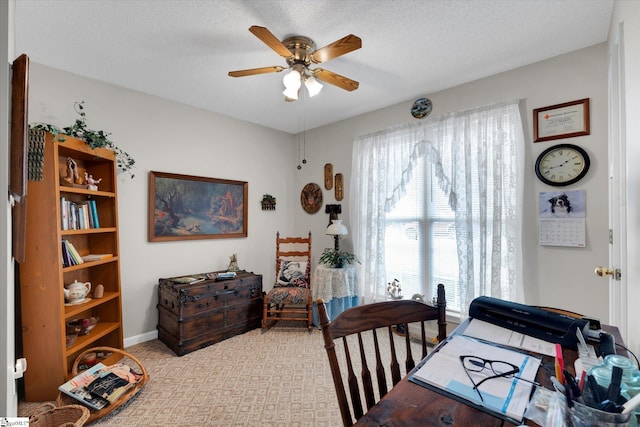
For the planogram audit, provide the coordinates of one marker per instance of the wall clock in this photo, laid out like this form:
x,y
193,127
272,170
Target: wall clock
x,y
562,164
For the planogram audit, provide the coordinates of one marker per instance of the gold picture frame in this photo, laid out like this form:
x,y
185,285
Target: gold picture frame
x,y
186,207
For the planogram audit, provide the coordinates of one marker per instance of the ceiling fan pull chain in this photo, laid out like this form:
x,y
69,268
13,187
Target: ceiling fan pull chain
x,y
304,129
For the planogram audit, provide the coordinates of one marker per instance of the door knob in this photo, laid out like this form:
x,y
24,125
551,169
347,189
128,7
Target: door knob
x,y
604,271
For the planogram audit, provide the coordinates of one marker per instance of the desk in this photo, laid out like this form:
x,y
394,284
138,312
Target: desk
x,y
409,404
338,287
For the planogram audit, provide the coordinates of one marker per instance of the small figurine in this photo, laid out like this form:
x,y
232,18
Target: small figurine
x,y
233,264
72,172
92,183
394,290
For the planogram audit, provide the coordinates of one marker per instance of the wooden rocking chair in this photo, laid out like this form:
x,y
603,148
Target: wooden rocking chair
x,y
290,298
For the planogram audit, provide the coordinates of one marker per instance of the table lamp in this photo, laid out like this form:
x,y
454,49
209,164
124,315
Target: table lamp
x,y
337,229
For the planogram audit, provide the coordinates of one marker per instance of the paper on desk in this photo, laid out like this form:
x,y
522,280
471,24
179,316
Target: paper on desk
x,y
506,397
503,336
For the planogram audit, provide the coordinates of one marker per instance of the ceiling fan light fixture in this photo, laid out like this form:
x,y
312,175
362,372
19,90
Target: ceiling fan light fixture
x,y
313,86
292,82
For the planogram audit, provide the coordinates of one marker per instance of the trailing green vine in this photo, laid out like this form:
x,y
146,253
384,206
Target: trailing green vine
x,y
95,139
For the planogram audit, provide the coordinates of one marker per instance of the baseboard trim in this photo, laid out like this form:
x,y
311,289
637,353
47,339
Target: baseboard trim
x,y
147,336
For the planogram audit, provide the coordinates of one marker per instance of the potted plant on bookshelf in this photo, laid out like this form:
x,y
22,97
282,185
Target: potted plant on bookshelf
x,y
337,258
95,139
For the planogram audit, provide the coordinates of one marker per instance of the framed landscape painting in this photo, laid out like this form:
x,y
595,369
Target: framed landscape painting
x,y
185,207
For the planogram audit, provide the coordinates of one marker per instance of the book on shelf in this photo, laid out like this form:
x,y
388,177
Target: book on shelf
x,y
96,257
76,387
94,213
66,256
75,255
64,213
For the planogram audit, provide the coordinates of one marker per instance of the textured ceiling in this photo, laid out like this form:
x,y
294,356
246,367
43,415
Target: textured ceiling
x,y
182,49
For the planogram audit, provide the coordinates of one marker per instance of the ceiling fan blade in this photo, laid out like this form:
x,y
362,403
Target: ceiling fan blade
x,y
338,48
270,40
335,79
254,71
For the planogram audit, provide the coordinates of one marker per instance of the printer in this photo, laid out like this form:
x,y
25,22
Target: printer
x,y
529,320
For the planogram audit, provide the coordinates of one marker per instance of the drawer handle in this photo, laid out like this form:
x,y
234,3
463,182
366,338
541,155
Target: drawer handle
x,y
216,294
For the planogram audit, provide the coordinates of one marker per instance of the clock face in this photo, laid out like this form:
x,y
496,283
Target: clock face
x,y
562,164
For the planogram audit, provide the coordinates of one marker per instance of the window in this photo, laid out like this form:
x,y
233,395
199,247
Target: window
x,y
403,182
420,239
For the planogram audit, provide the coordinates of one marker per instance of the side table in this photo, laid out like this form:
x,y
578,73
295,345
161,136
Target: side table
x,y
338,288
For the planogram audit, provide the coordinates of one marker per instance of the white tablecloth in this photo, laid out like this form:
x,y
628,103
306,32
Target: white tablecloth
x,y
338,288
329,283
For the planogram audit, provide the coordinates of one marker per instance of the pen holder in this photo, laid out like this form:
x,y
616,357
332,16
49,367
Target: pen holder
x,y
582,415
630,377
586,416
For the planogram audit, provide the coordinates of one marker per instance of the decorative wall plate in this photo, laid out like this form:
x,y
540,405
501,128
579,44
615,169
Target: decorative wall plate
x,y
339,187
421,108
311,198
328,176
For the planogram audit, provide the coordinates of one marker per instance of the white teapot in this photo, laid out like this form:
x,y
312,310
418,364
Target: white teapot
x,y
76,291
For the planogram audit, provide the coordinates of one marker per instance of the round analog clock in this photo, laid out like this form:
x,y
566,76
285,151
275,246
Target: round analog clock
x,y
562,164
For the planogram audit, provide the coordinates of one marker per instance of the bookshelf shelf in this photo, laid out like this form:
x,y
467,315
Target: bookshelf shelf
x,y
44,314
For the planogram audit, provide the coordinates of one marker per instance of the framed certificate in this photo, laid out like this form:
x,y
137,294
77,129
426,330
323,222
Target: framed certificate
x,y
561,121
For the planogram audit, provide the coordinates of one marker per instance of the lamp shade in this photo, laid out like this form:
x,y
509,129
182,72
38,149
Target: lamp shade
x,y
313,86
292,82
337,228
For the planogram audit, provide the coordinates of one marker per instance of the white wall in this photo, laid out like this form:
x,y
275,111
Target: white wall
x,y
170,137
553,276
628,14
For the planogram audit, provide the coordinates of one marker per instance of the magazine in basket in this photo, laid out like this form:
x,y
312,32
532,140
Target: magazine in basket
x,y
100,385
76,387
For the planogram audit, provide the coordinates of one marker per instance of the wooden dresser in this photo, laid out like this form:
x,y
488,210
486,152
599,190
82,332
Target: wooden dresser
x,y
205,310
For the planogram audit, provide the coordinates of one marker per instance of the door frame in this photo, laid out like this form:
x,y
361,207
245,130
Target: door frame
x,y
618,311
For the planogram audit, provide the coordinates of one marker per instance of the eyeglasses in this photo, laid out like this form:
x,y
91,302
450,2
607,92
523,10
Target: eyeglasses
x,y
499,368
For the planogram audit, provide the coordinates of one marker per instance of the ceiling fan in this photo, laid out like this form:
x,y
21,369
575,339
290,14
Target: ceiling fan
x,y
300,52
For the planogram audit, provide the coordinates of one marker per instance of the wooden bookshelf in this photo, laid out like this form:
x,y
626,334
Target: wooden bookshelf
x,y
43,276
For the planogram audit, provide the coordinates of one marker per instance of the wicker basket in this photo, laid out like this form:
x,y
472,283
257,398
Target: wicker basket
x,y
50,415
94,415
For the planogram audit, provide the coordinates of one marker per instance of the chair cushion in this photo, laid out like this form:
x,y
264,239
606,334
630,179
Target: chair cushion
x,y
290,295
292,274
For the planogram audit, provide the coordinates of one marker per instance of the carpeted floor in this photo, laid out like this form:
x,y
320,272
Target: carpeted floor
x,y
280,378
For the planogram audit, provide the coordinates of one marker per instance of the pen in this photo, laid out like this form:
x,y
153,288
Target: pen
x,y
614,387
595,389
631,404
571,384
583,377
559,364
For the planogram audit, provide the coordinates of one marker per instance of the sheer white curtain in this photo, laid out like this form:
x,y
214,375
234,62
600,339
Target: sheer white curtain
x,y
479,163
